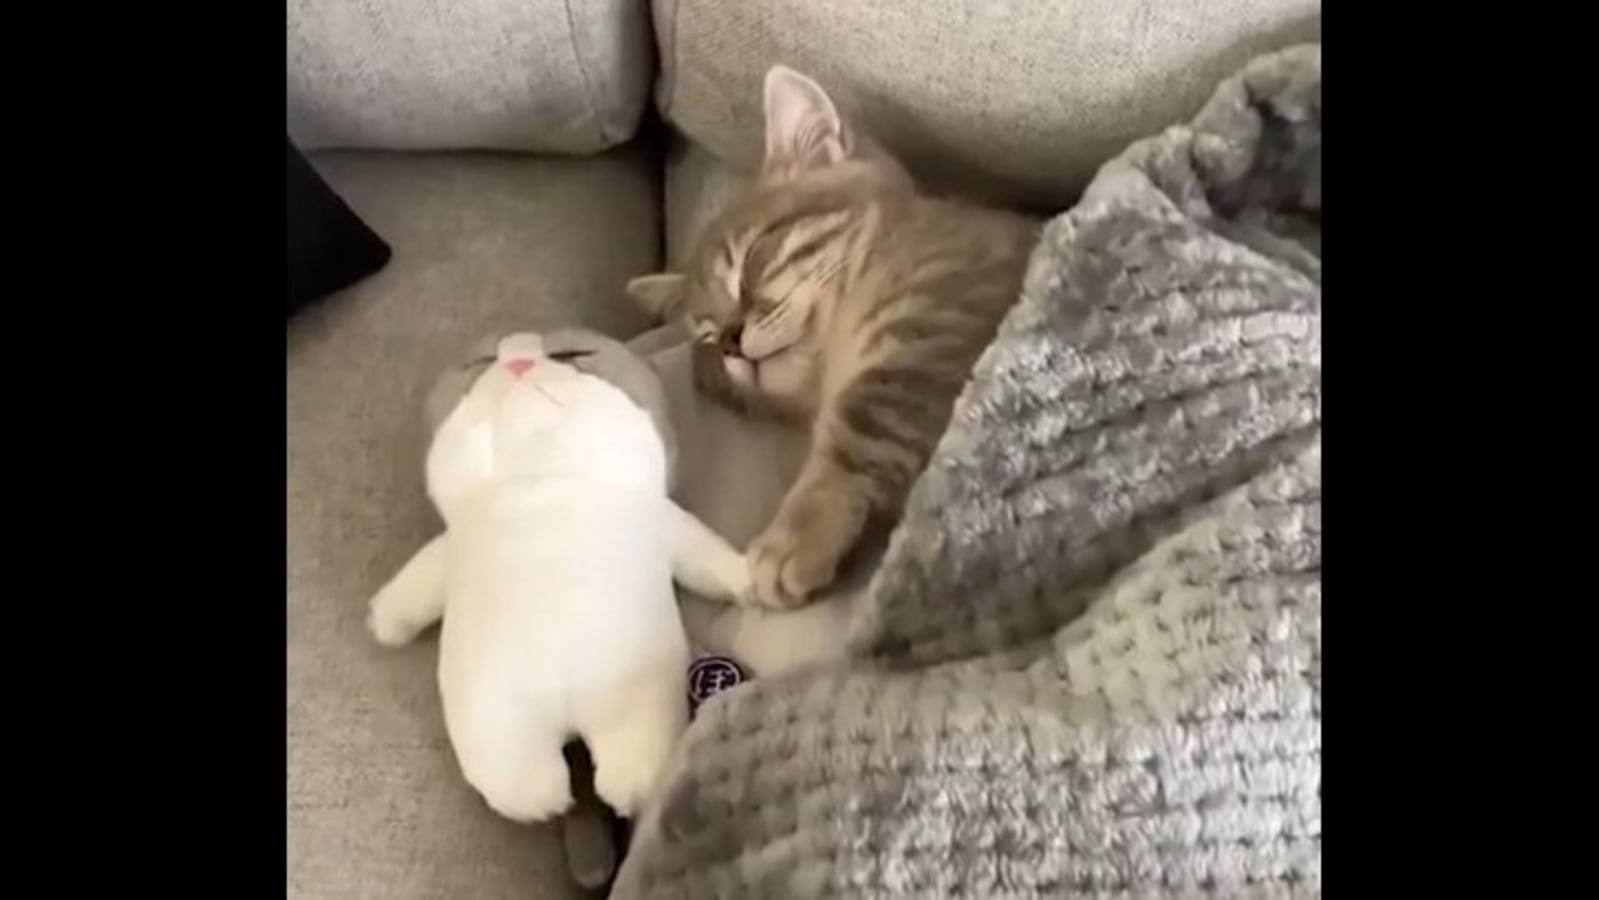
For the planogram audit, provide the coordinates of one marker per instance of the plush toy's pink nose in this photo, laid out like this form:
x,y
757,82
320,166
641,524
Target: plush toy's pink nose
x,y
518,367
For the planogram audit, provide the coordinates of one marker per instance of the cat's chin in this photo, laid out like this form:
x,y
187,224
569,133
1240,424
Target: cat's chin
x,y
743,374
742,385
768,387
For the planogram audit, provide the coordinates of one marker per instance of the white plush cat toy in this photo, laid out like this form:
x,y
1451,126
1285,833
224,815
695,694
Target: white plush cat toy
x,y
554,574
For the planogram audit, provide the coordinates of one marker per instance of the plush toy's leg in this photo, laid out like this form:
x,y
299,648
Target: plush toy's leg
x,y
513,760
705,563
412,600
633,736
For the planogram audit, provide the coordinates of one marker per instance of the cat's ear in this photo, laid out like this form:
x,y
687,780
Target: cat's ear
x,y
659,295
803,127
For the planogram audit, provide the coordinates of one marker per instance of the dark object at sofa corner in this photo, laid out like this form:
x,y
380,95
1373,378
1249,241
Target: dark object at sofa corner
x,y
595,837
329,246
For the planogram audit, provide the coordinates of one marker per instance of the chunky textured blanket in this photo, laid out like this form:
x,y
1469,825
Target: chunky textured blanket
x,y
1090,662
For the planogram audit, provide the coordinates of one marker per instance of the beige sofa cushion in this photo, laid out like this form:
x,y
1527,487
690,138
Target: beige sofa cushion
x,y
376,805
1013,99
698,186
555,76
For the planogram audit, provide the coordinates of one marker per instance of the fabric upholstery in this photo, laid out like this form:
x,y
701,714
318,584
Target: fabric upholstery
x,y
698,186
554,76
1011,100
732,471
376,804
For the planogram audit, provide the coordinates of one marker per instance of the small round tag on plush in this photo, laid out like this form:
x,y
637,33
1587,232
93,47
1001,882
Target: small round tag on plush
x,y
711,675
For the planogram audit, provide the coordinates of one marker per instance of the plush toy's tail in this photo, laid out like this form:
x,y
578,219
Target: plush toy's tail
x,y
591,832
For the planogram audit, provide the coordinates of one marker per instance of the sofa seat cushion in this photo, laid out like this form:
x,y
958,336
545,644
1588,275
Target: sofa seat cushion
x,y
552,76
376,804
1010,100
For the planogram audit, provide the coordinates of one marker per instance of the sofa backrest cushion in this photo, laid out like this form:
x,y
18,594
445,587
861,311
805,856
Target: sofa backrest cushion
x,y
550,76
1019,100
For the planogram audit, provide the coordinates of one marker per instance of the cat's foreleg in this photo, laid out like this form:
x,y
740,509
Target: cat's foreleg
x,y
412,600
705,563
817,524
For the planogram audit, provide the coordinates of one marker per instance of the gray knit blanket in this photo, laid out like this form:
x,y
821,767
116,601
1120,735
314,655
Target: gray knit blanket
x,y
1090,663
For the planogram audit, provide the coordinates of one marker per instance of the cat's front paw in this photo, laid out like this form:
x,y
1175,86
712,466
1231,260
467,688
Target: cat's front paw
x,y
789,565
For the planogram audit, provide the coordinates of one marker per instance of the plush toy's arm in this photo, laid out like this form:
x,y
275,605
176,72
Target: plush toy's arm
x,y
705,563
412,600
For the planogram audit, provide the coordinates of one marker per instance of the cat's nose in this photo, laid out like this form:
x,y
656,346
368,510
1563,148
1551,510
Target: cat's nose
x,y
518,367
732,340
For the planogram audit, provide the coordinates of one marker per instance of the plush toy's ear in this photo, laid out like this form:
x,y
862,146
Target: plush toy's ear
x,y
803,128
660,295
455,382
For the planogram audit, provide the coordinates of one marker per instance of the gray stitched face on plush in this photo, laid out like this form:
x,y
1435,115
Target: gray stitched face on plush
x,y
585,350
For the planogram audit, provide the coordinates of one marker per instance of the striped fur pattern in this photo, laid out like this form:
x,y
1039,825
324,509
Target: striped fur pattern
x,y
836,293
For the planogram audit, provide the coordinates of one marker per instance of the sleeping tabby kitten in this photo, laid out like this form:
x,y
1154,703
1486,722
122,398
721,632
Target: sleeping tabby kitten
x,y
835,292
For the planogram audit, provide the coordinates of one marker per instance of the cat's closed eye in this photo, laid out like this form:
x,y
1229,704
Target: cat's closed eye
x,y
705,330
